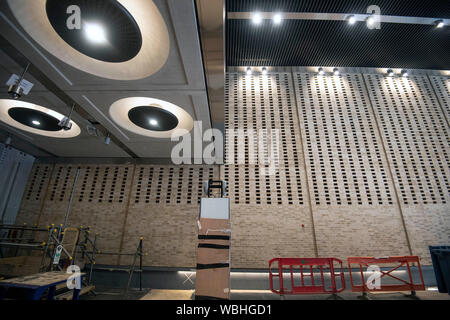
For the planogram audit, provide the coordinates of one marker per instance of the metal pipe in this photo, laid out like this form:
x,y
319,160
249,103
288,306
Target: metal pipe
x,y
24,245
71,198
15,227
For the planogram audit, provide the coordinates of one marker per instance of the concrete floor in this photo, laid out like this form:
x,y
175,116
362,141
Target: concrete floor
x,y
148,294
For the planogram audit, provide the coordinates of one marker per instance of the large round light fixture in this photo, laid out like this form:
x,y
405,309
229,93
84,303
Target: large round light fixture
x,y
151,117
35,119
120,39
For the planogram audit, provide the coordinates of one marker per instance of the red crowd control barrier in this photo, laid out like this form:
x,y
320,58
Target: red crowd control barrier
x,y
303,277
387,280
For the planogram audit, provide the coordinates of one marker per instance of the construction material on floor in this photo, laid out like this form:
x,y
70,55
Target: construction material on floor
x,y
156,294
213,253
34,286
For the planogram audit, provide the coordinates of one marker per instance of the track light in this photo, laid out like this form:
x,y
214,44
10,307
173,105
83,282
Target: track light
x,y
277,18
248,71
65,122
404,73
336,71
351,19
439,23
320,71
107,140
256,18
390,73
16,88
264,71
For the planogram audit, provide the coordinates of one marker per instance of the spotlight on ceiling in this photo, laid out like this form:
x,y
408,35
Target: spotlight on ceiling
x,y
336,71
248,71
390,73
370,21
320,71
439,23
107,140
351,19
36,123
95,33
256,18
65,122
404,73
153,122
277,18
18,85
264,71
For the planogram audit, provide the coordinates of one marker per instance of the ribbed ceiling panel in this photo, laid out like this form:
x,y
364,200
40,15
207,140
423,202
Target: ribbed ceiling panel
x,y
413,8
335,43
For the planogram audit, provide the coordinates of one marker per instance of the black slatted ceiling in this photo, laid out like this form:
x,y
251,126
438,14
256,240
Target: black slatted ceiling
x,y
335,43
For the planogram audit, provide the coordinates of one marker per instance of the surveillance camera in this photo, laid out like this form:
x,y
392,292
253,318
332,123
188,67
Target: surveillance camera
x,y
65,124
15,91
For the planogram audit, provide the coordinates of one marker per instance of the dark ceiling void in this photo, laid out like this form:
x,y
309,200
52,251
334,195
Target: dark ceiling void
x,y
412,8
153,118
34,119
108,31
337,44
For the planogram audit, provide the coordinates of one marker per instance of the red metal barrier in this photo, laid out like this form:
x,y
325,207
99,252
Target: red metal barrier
x,y
399,285
305,282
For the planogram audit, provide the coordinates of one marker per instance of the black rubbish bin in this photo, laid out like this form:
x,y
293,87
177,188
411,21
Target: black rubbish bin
x,y
440,256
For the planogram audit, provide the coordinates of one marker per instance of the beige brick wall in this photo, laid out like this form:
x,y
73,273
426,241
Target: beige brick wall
x,y
361,157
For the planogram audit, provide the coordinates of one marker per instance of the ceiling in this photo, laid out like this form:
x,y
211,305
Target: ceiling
x,y
336,43
180,81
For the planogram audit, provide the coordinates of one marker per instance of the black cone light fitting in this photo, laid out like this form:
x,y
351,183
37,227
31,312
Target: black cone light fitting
x,y
108,32
34,118
153,118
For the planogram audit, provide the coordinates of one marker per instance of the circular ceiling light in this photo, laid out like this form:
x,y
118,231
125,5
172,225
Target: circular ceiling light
x,y
116,39
108,32
35,119
151,117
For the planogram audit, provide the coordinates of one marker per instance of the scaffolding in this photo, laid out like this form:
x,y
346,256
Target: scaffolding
x,y
64,247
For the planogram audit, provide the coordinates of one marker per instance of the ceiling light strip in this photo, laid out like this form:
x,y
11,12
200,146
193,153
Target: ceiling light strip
x,y
336,17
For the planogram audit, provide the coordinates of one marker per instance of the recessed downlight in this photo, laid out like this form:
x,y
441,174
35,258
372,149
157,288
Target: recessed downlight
x,y
351,19
277,18
36,123
256,18
439,24
95,33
